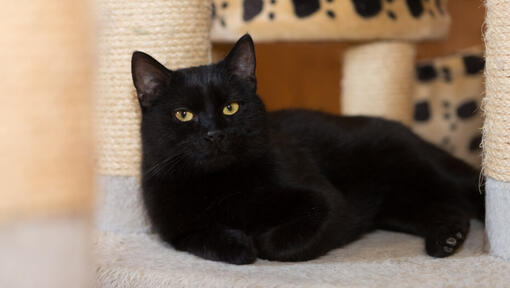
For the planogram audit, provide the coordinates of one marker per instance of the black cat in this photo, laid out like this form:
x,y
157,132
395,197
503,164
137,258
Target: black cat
x,y
226,181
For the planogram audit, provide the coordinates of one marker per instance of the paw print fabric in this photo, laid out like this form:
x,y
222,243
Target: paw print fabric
x,y
273,20
447,98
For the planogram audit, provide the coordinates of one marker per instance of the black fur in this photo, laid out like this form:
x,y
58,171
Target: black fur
x,y
287,185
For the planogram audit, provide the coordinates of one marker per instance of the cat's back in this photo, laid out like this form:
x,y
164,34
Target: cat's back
x,y
313,127
350,144
345,140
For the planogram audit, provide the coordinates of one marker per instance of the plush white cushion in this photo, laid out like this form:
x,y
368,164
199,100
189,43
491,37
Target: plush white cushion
x,y
382,259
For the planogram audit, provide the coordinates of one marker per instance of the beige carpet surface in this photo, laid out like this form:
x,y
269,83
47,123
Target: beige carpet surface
x,y
380,259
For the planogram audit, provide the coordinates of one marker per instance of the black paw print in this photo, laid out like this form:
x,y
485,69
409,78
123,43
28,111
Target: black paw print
x,y
305,8
252,8
371,8
217,12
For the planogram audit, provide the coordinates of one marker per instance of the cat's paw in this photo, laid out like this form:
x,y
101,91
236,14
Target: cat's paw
x,y
219,244
235,247
444,239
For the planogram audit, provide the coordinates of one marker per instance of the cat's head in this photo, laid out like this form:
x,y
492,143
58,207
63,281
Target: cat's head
x,y
201,118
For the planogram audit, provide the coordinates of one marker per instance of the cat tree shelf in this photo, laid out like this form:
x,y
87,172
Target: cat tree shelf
x,y
348,20
386,66
380,259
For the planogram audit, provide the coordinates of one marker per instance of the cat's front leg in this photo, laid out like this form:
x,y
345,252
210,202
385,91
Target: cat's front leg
x,y
218,243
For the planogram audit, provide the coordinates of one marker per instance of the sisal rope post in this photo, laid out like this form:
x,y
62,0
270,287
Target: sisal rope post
x,y
496,128
175,32
46,166
378,81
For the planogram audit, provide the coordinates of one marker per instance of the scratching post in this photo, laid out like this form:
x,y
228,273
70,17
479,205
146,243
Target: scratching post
x,y
176,32
46,165
378,80
496,129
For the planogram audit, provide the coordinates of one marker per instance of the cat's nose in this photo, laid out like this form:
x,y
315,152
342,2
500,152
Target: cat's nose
x,y
215,136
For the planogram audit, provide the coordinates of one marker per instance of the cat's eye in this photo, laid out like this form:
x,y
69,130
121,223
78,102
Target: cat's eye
x,y
231,108
184,115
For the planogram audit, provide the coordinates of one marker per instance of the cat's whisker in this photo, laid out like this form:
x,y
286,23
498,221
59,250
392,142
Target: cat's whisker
x,y
162,165
170,170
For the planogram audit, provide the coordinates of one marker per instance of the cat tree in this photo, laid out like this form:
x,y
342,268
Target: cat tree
x,y
176,32
496,129
46,166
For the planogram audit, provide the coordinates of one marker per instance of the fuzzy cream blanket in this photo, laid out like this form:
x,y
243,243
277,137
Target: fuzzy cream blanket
x,y
380,259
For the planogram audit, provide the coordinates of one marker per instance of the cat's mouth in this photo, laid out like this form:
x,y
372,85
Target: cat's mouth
x,y
217,155
218,160
216,149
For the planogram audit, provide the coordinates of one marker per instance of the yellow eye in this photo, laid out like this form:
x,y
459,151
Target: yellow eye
x,y
184,116
231,108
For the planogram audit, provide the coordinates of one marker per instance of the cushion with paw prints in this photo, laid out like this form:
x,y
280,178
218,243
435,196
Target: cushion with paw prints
x,y
447,98
269,20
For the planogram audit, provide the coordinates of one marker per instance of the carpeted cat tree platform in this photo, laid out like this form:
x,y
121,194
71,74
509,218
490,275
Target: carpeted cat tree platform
x,y
176,32
46,144
381,259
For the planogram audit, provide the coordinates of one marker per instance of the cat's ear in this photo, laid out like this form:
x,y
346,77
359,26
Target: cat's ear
x,y
240,61
149,77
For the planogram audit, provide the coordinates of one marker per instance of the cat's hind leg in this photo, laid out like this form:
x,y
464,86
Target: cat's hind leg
x,y
445,231
443,226
442,219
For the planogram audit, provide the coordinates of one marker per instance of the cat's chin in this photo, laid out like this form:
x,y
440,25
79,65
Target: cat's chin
x,y
217,162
